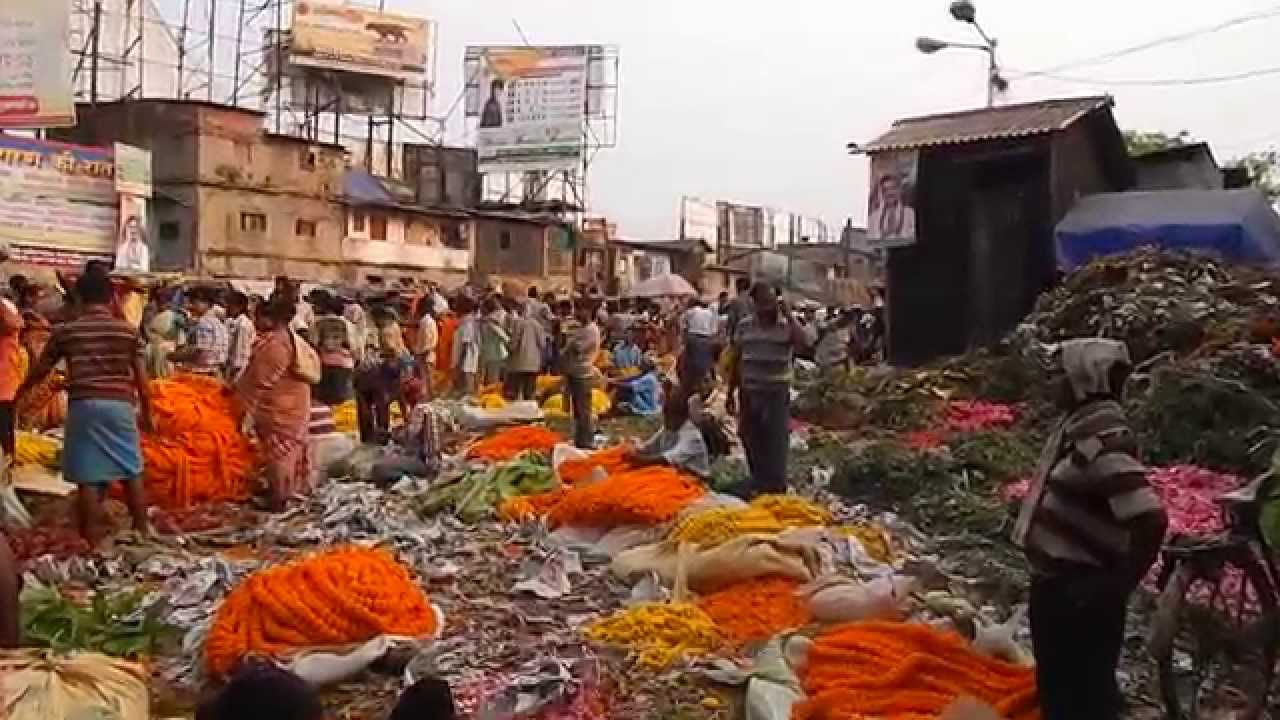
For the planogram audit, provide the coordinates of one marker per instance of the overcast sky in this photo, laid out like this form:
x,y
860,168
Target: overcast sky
x,y
754,101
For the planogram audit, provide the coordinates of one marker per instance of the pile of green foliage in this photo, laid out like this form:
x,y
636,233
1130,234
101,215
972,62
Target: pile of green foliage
x,y
474,494
110,624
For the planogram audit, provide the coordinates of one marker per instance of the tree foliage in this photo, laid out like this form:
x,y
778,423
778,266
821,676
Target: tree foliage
x,y
1263,168
1139,142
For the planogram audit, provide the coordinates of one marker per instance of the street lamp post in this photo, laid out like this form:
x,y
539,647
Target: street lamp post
x,y
964,11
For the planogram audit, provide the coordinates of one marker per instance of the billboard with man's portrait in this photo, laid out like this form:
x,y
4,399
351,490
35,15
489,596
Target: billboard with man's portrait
x,y
891,212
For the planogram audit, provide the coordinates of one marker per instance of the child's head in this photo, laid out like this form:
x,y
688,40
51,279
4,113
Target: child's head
x,y
427,699
261,691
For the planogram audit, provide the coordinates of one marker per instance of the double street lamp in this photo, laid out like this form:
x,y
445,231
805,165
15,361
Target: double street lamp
x,y
965,12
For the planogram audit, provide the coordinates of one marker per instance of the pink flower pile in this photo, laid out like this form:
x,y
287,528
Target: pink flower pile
x,y
976,416
1189,495
924,439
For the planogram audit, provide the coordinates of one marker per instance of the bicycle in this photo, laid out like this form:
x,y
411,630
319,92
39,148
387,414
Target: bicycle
x,y
1215,657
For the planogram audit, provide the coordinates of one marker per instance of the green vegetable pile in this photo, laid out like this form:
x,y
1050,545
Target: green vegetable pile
x,y
473,495
110,624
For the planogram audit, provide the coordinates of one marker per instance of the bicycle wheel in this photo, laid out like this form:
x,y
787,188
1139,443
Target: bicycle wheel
x,y
1214,638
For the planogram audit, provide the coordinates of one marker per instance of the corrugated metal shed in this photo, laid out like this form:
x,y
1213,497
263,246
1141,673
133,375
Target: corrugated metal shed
x,y
998,123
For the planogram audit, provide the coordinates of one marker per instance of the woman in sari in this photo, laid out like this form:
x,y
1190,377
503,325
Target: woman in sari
x,y
278,402
164,332
45,406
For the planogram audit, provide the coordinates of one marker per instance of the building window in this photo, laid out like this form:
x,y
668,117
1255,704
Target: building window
x,y
169,231
377,227
373,279
307,160
304,228
357,222
253,222
504,240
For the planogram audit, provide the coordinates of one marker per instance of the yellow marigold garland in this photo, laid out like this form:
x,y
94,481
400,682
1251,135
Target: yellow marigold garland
x,y
657,633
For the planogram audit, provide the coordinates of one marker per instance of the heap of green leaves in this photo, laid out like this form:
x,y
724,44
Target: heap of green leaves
x,y
110,624
472,495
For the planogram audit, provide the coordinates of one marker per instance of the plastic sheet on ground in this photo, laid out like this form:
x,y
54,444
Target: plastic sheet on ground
x,y
743,558
773,686
471,417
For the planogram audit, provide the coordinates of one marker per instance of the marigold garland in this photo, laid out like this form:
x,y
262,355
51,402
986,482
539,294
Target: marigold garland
x,y
873,538
906,671
510,442
659,633
345,417
648,496
197,453
756,609
766,515
529,507
344,596
611,460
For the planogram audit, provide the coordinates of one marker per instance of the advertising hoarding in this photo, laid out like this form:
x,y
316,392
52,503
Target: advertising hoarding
x,y
337,36
531,103
35,71
56,197
133,170
699,220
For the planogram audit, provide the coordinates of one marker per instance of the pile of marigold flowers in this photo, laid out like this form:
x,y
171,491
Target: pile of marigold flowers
x,y
756,609
766,515
508,443
657,633
196,454
648,496
906,671
344,596
611,460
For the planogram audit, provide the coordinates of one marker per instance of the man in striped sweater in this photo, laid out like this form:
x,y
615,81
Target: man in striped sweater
x,y
1091,527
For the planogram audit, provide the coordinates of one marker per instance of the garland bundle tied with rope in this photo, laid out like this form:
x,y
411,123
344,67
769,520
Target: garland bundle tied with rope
x,y
657,634
756,609
906,671
766,515
340,597
197,453
648,496
510,442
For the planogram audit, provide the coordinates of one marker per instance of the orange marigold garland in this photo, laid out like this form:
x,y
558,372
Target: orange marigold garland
x,y
343,596
906,671
611,460
196,454
508,443
528,507
756,609
647,496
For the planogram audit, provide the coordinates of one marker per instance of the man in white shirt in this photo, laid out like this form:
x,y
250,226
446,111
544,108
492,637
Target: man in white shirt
x,y
428,341
700,329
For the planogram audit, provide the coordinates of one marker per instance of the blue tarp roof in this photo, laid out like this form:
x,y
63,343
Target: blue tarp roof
x,y
363,188
1237,225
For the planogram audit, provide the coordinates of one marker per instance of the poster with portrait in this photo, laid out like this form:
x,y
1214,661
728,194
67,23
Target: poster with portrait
x,y
531,103
133,255
891,212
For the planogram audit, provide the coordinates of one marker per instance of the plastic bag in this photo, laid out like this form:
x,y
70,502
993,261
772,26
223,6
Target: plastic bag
x,y
38,685
996,639
358,464
320,669
842,599
773,684
477,418
12,512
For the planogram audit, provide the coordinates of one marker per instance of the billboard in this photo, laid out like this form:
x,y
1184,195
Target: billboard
x,y
699,220
35,74
531,103
891,212
133,170
57,197
332,35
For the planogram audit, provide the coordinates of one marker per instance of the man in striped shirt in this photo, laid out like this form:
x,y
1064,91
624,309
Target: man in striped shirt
x,y
1091,527
764,345
106,384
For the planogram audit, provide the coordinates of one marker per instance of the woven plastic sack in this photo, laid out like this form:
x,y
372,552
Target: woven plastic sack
x,y
38,685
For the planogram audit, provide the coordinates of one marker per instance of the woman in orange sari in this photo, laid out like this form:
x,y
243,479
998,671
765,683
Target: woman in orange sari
x,y
278,402
44,406
444,351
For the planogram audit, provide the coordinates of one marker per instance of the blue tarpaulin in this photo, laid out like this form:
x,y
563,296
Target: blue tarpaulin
x,y
1236,225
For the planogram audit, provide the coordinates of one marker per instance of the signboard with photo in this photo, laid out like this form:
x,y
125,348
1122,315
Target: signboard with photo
x,y
336,36
891,212
531,103
35,71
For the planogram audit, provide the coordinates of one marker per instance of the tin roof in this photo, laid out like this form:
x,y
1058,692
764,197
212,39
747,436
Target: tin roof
x,y
997,123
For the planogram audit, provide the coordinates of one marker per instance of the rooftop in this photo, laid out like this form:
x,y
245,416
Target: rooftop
x,y
997,123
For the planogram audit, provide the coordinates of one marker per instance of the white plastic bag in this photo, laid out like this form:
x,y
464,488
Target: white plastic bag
x,y
842,599
12,512
996,639
321,669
